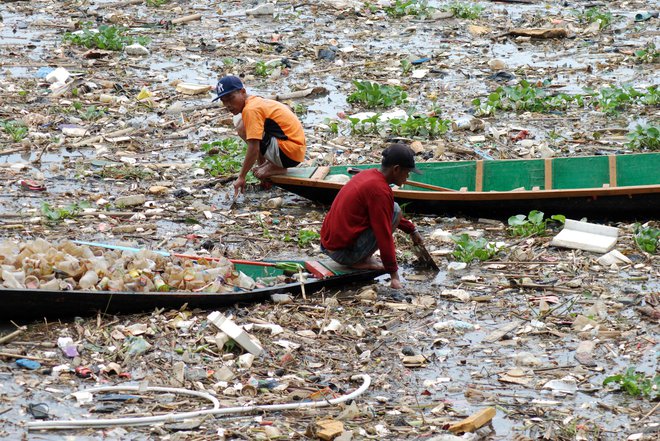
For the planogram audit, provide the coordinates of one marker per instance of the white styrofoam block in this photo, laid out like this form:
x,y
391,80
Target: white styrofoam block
x,y
235,332
586,236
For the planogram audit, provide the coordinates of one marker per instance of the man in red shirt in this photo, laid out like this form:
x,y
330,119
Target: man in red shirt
x,y
273,133
364,215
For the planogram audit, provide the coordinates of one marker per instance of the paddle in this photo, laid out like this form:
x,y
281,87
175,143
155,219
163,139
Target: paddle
x,y
424,257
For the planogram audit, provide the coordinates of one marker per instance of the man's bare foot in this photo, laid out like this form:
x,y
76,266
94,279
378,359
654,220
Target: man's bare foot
x,y
267,170
370,263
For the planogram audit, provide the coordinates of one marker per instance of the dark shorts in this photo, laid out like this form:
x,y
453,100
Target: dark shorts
x,y
272,152
364,246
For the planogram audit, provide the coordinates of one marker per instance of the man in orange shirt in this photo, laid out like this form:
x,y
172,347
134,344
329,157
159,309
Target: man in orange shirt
x,y
273,133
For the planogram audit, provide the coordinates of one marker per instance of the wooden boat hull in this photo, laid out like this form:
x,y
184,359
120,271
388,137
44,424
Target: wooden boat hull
x,y
39,304
617,196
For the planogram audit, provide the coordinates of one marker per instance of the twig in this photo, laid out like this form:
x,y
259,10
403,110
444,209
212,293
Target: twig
x,y
11,335
650,413
27,357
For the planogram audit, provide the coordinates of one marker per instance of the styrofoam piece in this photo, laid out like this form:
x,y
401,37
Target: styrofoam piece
x,y
586,236
235,332
613,257
59,75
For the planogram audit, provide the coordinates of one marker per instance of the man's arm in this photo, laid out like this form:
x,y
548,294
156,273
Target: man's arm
x,y
250,158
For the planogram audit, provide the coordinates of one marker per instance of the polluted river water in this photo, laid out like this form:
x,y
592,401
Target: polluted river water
x,y
432,350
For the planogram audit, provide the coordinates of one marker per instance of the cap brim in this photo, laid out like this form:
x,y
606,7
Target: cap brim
x,y
416,171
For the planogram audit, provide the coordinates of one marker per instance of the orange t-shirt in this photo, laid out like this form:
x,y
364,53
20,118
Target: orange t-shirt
x,y
264,119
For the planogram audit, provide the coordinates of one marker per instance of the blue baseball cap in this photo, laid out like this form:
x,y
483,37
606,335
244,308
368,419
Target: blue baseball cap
x,y
227,85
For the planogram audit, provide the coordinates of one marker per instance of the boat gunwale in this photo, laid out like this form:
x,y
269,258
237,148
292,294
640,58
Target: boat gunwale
x,y
281,180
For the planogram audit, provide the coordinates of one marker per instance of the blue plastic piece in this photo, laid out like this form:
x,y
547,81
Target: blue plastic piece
x,y
44,71
420,61
28,364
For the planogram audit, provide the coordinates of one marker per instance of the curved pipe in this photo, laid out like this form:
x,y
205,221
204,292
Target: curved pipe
x,y
172,417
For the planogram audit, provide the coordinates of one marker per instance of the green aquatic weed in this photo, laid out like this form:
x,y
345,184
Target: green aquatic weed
x,y
16,129
465,10
636,385
468,249
401,8
649,54
56,214
521,225
596,15
419,126
647,238
106,37
374,95
644,136
224,157
306,237
525,97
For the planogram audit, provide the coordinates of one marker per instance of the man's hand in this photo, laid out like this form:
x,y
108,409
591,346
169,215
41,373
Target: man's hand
x,y
239,186
395,283
417,238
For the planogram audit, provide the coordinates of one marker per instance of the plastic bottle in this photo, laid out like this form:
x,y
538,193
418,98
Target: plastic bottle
x,y
89,280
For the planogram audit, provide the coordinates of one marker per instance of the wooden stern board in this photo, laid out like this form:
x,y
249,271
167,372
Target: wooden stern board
x,y
320,173
548,174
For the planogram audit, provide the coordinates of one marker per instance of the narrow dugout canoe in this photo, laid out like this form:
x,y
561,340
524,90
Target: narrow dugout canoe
x,y
37,304
603,187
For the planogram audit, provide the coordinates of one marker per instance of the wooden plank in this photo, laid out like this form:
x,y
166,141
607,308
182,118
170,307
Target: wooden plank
x,y
429,186
474,422
320,173
479,183
318,270
612,159
548,173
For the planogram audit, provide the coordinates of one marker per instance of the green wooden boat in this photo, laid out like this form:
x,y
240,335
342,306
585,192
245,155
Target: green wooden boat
x,y
604,187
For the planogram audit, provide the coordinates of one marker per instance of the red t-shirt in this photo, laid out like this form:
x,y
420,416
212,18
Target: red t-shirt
x,y
366,201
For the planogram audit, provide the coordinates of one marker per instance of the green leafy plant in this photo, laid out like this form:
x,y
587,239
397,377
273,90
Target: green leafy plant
x,y
425,126
614,99
465,10
157,3
56,214
92,113
649,54
333,125
401,8
521,225
224,157
406,66
306,237
263,69
468,249
373,95
647,238
596,15
525,96
16,129
635,384
300,109
111,38
644,136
